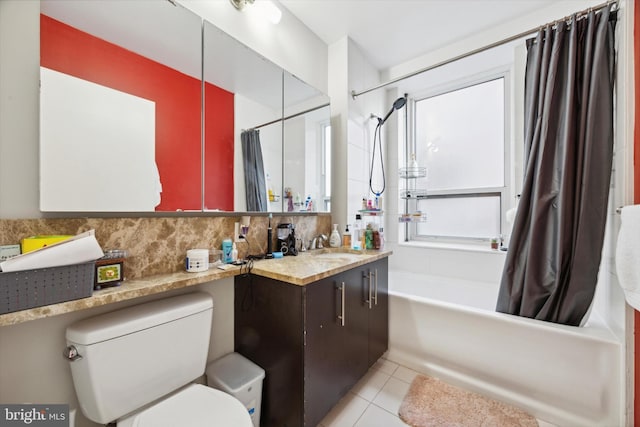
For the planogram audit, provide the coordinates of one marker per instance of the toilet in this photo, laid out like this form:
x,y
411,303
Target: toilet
x,y
135,366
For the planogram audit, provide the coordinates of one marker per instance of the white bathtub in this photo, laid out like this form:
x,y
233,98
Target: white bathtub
x,y
448,328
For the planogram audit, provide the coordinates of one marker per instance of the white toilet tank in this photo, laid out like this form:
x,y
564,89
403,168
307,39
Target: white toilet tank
x,y
133,356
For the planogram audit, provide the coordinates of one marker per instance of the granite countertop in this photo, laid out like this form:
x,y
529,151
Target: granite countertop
x,y
300,270
314,265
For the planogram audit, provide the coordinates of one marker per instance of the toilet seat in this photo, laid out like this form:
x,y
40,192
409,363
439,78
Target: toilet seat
x,y
194,406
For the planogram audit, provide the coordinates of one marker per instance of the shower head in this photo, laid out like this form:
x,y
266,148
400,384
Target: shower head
x,y
398,104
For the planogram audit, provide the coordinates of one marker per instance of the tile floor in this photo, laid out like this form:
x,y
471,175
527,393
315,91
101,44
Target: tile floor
x,y
374,401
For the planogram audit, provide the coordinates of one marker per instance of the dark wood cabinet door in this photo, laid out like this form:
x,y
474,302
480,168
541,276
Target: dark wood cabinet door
x,y
379,313
356,325
325,365
269,330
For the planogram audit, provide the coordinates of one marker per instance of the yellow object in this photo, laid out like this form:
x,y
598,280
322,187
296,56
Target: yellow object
x,y
32,243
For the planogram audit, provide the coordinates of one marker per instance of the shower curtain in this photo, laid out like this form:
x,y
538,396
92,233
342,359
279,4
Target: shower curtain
x,y
552,264
254,179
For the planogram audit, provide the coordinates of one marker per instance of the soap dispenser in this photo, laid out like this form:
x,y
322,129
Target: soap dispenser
x,y
346,238
334,239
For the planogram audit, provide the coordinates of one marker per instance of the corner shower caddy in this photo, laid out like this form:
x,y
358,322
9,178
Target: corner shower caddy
x,y
412,193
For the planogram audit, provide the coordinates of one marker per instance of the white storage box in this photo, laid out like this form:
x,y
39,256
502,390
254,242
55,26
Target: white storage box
x,y
241,378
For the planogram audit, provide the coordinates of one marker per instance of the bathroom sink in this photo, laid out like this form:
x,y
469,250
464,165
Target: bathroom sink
x,y
330,255
334,254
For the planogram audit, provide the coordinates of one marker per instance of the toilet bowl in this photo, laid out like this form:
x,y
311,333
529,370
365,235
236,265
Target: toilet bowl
x,y
136,366
194,406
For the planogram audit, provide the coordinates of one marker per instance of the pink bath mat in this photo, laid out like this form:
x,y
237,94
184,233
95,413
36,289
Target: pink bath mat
x,y
433,403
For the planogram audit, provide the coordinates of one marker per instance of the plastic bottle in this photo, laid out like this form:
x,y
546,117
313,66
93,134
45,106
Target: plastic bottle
x,y
376,239
346,238
334,239
234,253
355,234
227,247
414,163
381,235
368,240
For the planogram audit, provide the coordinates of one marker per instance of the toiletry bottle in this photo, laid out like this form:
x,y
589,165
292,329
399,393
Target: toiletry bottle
x,y
334,239
234,253
227,247
413,164
269,253
369,237
355,234
346,238
381,235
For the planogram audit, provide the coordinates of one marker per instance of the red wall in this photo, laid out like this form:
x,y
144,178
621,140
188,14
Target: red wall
x,y
218,152
178,112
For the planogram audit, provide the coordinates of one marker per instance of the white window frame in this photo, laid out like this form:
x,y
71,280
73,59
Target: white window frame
x,y
325,160
411,230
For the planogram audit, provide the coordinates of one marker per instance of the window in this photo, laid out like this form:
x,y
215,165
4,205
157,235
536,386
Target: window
x,y
459,136
326,166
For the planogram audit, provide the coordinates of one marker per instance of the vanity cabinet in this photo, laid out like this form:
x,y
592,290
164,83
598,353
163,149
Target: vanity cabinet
x,y
314,341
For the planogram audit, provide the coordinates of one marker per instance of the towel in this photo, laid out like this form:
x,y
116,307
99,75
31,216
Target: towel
x,y
628,255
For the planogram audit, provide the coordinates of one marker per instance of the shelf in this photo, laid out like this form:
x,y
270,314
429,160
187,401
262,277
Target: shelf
x,y
413,217
416,193
371,212
413,172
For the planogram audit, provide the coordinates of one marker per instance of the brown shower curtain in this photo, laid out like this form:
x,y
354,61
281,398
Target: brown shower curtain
x,y
552,264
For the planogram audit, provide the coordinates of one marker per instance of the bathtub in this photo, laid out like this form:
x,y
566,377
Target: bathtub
x,y
448,328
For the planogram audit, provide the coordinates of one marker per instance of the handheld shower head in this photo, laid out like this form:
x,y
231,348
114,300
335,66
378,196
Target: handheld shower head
x,y
398,104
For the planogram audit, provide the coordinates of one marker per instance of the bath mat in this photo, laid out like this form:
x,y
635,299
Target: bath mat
x,y
431,402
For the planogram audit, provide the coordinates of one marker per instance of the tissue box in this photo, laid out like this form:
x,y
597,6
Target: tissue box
x,y
36,242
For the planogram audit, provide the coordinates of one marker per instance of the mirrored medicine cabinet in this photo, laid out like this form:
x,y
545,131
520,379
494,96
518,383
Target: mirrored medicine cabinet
x,y
142,108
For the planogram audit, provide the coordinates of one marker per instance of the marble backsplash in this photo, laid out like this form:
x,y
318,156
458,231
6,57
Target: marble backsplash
x,y
157,245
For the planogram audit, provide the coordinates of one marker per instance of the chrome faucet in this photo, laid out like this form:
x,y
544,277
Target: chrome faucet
x,y
316,243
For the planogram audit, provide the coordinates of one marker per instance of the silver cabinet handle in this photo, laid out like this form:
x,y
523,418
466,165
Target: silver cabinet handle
x,y
342,291
368,276
375,295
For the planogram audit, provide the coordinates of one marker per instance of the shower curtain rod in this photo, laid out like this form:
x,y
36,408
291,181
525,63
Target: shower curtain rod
x,y
355,94
287,118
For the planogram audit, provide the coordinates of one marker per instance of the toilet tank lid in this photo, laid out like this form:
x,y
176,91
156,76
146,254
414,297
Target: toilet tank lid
x,y
136,318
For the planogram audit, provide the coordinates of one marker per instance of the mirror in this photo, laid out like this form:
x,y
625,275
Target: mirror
x,y
255,85
167,121
94,159
307,148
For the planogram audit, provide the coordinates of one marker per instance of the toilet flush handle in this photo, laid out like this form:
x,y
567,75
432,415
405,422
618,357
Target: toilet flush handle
x,y
71,353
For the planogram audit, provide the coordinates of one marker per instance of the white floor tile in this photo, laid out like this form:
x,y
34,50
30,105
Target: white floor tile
x,y
405,374
391,395
345,414
378,417
385,366
369,386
